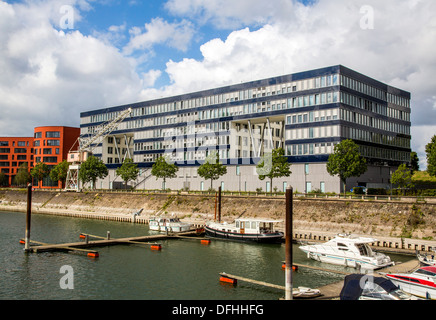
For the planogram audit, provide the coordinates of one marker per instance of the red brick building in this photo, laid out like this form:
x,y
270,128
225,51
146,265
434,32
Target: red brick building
x,y
15,151
49,144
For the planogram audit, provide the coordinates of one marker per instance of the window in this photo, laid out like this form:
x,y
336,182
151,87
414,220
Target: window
x,y
4,143
53,143
50,159
38,135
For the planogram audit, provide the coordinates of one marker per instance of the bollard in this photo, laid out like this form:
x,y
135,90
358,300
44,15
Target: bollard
x,y
28,217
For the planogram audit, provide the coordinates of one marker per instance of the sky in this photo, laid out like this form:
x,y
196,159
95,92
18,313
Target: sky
x,y
59,58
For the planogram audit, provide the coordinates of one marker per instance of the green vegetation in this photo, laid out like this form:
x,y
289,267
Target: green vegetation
x,y
430,150
128,171
346,161
60,172
162,168
91,170
212,168
40,171
274,166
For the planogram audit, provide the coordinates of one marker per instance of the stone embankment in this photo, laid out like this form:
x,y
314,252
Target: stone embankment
x,y
311,217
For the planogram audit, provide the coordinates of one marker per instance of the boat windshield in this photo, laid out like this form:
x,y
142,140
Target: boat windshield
x,y
364,249
426,272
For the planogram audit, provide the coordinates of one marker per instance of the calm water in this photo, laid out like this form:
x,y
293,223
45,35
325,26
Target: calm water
x,y
182,270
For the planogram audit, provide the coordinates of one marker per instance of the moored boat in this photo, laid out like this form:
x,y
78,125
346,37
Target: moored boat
x,y
427,258
421,282
349,251
250,230
170,225
364,287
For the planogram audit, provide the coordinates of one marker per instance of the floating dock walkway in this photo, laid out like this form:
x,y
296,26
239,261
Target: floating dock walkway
x,y
142,240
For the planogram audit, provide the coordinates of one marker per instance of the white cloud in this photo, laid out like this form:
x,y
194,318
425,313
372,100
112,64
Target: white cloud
x,y
398,51
158,31
49,76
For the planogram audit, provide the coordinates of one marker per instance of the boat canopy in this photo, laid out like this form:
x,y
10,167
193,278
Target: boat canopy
x,y
353,289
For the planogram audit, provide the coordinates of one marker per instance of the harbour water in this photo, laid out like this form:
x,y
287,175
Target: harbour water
x,y
182,270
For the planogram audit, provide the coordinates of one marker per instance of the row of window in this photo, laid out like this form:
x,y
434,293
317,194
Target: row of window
x,y
46,159
48,143
376,123
295,86
374,92
11,164
48,134
369,136
16,150
19,143
19,157
365,104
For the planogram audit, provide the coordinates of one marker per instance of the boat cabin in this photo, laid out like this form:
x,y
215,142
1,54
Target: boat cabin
x,y
352,244
255,225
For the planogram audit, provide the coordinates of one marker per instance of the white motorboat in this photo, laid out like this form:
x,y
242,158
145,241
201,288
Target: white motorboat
x,y
250,230
421,283
349,251
170,225
427,258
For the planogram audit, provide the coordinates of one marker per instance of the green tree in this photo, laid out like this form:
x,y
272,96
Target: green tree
x,y
346,161
91,170
40,171
414,162
22,178
212,168
128,171
162,168
430,150
402,177
60,172
274,165
4,180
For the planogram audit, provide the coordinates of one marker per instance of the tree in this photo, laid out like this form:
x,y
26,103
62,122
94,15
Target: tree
x,y
91,170
414,162
402,177
40,171
60,172
162,168
430,150
4,180
212,168
346,161
128,171
275,165
22,178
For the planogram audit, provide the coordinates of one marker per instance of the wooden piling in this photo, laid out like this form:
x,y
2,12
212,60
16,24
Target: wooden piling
x,y
288,235
219,204
28,217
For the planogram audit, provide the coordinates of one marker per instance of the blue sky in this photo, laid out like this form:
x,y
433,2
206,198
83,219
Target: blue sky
x,y
121,52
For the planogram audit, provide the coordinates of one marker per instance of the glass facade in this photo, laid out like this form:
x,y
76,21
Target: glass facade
x,y
306,113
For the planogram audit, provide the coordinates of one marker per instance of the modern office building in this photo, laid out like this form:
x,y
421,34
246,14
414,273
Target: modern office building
x,y
305,113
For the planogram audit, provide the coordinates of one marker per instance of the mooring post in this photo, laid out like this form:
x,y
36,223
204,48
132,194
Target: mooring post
x,y
28,217
219,204
288,235
108,233
216,201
